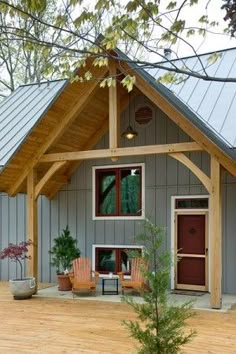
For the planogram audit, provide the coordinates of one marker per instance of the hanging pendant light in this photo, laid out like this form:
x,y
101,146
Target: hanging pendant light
x,y
129,132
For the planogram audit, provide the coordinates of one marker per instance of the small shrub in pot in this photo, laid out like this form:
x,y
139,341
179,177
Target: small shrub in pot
x,y
23,287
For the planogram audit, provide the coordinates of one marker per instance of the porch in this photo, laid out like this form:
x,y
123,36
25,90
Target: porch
x,y
81,130
59,324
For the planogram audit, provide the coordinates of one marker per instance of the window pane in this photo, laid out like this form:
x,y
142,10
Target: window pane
x,y
195,203
106,261
126,255
107,193
130,191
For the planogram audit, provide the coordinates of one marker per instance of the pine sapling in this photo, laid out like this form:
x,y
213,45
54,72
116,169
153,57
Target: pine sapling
x,y
160,326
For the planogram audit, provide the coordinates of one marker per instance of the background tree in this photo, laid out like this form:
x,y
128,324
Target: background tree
x,y
159,327
230,7
140,28
23,61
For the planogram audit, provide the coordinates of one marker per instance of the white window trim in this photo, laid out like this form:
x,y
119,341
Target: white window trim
x,y
139,217
111,246
173,209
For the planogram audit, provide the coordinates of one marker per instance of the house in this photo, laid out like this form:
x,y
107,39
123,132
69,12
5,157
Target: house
x,y
64,162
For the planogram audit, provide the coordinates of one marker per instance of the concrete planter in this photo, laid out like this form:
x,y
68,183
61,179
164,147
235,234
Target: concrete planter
x,y
22,289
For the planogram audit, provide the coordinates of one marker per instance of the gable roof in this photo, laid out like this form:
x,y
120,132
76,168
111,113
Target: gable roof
x,y
21,111
82,112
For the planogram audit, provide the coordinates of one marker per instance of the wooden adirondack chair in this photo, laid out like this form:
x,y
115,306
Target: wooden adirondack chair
x,y
81,278
136,281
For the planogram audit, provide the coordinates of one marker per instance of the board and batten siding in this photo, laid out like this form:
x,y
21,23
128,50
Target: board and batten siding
x,y
72,206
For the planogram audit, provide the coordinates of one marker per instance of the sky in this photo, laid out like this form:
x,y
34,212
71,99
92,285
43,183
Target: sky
x,y
212,42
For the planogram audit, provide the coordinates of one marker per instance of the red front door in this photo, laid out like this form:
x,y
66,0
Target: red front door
x,y
191,251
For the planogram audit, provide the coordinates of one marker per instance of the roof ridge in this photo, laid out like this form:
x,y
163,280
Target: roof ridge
x,y
199,55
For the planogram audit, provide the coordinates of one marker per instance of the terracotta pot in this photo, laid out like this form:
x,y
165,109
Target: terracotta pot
x,y
22,289
64,283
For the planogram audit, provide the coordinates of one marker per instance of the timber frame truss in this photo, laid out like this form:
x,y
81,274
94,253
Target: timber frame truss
x,y
177,151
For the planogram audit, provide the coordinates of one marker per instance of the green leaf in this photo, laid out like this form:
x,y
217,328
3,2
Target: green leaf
x,y
103,4
190,32
61,20
111,82
128,82
213,58
100,61
88,75
203,19
103,83
167,78
178,26
132,6
171,5
202,32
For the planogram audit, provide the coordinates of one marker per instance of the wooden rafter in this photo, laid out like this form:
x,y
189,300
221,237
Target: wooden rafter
x,y
120,152
83,99
75,164
53,169
194,168
92,142
114,114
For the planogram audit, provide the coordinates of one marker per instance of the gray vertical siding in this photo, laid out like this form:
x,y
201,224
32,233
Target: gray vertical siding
x,y
164,177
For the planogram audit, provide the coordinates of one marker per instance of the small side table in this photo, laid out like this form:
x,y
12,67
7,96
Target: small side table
x,y
114,291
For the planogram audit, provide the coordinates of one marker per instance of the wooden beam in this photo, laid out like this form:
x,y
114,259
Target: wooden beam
x,y
185,124
88,91
52,170
93,140
215,230
75,164
195,169
114,114
32,225
119,152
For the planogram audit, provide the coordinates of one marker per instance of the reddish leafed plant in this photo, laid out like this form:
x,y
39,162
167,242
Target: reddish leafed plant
x,y
17,253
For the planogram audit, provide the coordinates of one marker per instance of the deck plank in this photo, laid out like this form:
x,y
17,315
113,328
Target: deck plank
x,y
47,325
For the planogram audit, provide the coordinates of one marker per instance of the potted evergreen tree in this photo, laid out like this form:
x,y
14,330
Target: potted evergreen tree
x,y
22,287
63,252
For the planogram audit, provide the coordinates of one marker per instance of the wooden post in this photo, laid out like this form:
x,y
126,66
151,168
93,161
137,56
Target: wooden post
x,y
114,114
32,225
215,235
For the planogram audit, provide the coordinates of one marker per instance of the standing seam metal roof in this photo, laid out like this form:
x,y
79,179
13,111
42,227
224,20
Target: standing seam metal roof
x,y
214,103
21,111
211,106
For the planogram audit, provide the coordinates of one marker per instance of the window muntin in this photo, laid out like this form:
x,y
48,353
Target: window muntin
x,y
114,260
118,191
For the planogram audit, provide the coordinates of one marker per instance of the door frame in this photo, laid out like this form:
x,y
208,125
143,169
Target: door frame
x,y
174,213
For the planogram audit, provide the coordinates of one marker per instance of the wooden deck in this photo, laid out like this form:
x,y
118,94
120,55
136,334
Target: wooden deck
x,y
43,325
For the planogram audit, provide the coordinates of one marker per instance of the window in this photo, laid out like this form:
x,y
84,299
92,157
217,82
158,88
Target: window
x,y
114,260
191,203
118,191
